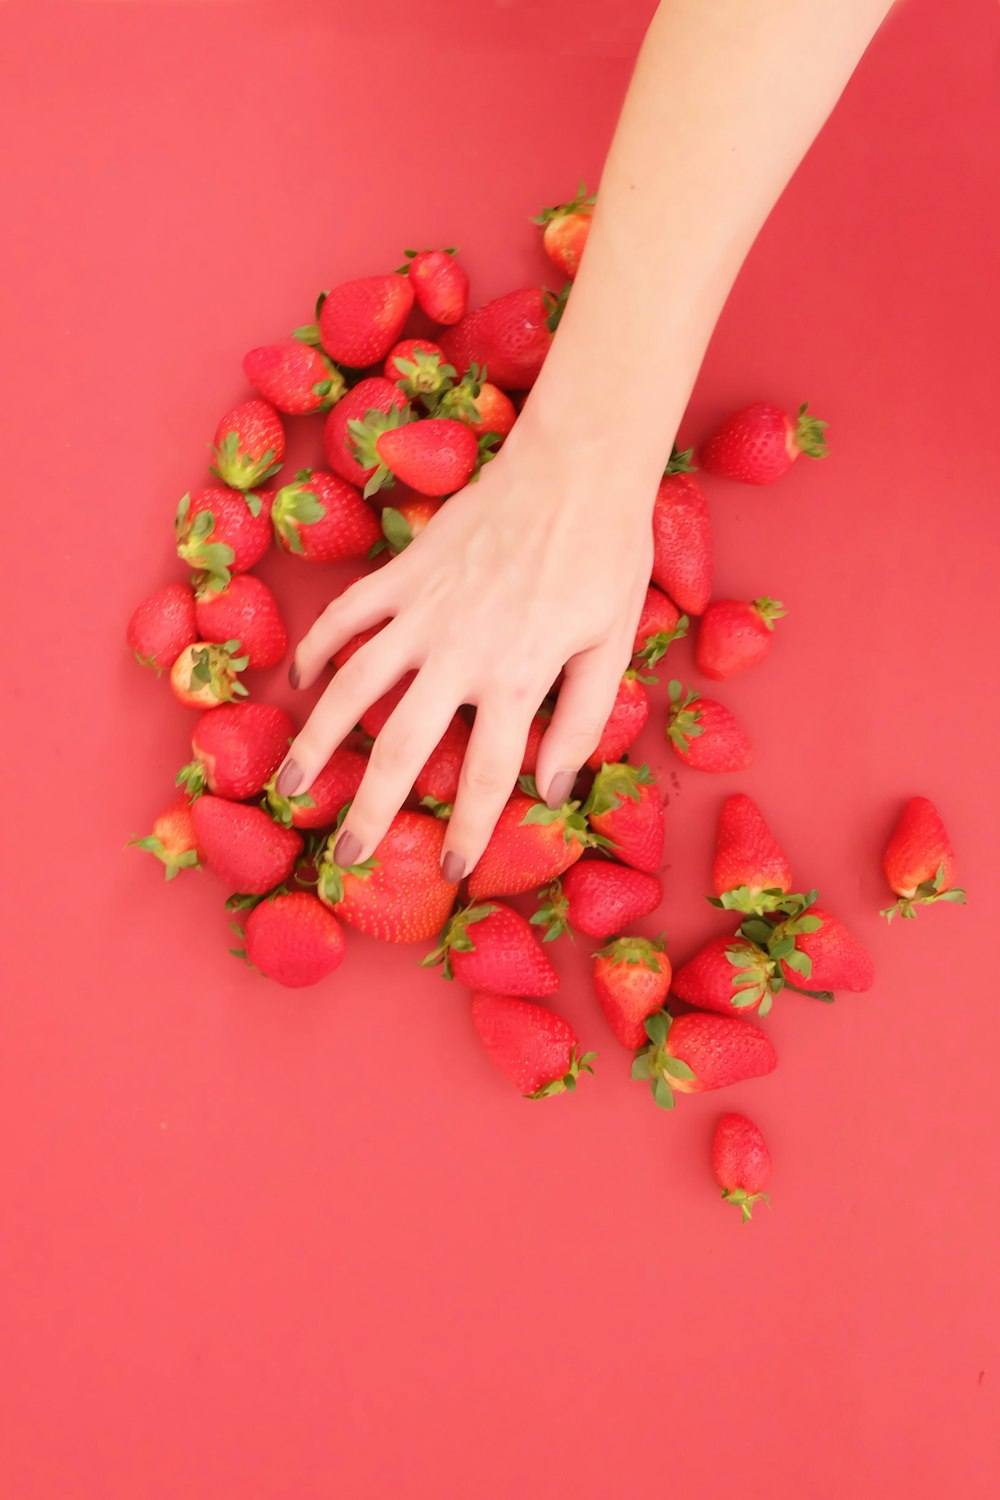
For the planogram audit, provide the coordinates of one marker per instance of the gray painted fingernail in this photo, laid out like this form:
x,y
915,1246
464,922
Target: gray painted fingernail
x,y
347,849
293,675
452,867
559,788
290,778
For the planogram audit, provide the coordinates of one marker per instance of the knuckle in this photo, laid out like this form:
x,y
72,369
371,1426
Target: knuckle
x,y
390,754
486,779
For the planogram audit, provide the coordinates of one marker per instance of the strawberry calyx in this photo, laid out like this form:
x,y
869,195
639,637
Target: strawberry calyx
x,y
583,203
281,807
754,901
555,306
683,721
459,401
238,468
438,809
215,559
553,913
578,1063
615,782
216,667
680,463
777,939
744,1201
426,376
635,950
173,860
655,1065
769,610
455,938
309,333
192,778
397,533
330,875
656,645
925,894
575,828
808,436
363,434
296,505
758,975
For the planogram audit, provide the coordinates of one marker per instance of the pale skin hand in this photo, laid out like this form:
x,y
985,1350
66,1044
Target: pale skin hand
x,y
543,563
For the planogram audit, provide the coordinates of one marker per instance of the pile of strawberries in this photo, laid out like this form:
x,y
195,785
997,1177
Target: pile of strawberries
x,y
426,414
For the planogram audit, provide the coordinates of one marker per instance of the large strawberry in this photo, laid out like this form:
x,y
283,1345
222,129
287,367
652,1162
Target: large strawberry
x,y
660,624
692,1053
245,848
531,844
374,394
435,456
161,626
631,980
359,321
536,1049
682,538
491,947
322,518
402,522
249,445
295,377
207,674
292,939
734,635
565,229
741,1163
510,336
237,749
420,370
374,718
172,840
598,898
245,610
625,809
625,722
334,786
919,862
760,443
399,894
483,406
221,532
708,737
750,872
440,283
437,781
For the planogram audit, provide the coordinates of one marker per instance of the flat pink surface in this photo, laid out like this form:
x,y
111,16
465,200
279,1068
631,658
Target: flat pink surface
x,y
273,1246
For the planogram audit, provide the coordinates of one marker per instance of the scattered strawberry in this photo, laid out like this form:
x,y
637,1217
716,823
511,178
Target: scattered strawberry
x,y
161,626
530,845
296,378
566,227
825,953
374,718
237,749
405,520
692,1053
510,336
435,456
625,722
660,624
322,518
632,980
374,394
292,939
172,840
751,871
245,611
478,403
335,786
221,532
536,1049
359,321
420,370
437,782
682,538
709,737
734,635
399,894
440,283
245,848
249,445
491,947
729,975
919,862
625,809
741,1163
598,898
207,674
760,443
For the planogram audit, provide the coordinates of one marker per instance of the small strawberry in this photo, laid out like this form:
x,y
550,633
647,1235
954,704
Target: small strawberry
x,y
632,980
374,718
625,809
246,611
398,895
221,532
598,898
161,626
402,522
824,952
760,443
510,336
172,840
237,749
751,872
292,939
682,538
335,786
420,370
478,403
734,635
440,283
359,321
729,975
491,947
537,730
709,737
296,378
322,518
249,445
207,674
625,722
565,230
741,1163
530,845
919,862
374,394
245,848
437,782
536,1049
435,456
692,1053
660,624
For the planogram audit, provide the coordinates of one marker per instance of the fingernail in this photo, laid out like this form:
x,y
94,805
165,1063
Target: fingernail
x,y
289,780
452,867
559,788
347,849
293,675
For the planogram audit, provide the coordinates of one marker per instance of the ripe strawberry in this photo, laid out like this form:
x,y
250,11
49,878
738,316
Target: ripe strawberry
x,y
660,624
359,321
420,370
440,284
161,626
435,456
632,980
760,443
537,730
625,722
530,845
292,939
374,394
625,809
741,1163
481,405
510,336
682,538
245,611
695,1052
598,898
730,975
566,227
399,894
172,840
536,1049
835,960
734,635
249,445
322,518
491,947
335,786
207,674
437,781
221,532
919,862
709,737
751,870
295,377
245,848
237,749
402,522
374,718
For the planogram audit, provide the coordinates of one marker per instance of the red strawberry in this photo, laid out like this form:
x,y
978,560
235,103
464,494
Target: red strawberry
x,y
322,518
692,1053
760,443
359,321
510,336
530,845
919,862
405,520
682,538
734,635
237,749
420,369
478,403
399,894
437,782
295,377
335,786
491,947
374,394
245,848
537,730
626,720
750,868
221,532
741,1163
730,975
660,624
292,939
207,674
566,227
536,1049
436,456
172,840
161,626
632,980
625,809
374,718
836,960
709,737
249,445
598,898
440,284
245,611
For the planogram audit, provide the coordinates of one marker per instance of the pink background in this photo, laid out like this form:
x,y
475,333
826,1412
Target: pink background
x,y
273,1246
